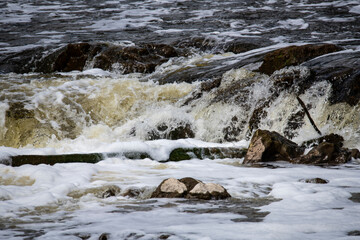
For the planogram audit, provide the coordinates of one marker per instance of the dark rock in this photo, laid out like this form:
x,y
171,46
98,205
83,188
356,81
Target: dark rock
x,y
110,192
180,131
330,138
294,55
189,182
69,58
268,146
315,180
132,192
205,86
355,197
325,154
233,130
296,121
239,47
180,154
189,188
141,59
104,236
342,71
355,153
354,233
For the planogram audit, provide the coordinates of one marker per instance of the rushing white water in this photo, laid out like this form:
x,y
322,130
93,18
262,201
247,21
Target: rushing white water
x,y
98,111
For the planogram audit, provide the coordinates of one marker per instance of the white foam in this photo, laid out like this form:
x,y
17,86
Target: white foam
x,y
355,9
293,24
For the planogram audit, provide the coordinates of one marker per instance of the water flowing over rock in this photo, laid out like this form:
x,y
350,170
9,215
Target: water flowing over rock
x,y
294,55
76,56
342,71
189,188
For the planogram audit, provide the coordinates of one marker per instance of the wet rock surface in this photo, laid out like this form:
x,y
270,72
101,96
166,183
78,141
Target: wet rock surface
x,y
342,71
271,146
268,146
189,188
315,180
294,55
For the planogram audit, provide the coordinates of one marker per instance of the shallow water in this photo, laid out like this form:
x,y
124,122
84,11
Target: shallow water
x,y
100,111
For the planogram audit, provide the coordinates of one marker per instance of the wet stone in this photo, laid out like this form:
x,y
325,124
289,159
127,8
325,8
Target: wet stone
x,y
354,233
294,55
315,180
189,188
268,146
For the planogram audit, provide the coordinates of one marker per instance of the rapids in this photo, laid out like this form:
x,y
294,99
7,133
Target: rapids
x,y
210,95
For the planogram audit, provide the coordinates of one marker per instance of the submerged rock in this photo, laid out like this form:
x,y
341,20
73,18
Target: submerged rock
x,y
294,55
180,154
315,180
189,188
22,127
268,146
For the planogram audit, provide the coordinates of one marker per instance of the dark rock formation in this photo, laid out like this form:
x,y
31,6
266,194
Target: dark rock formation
x,y
180,154
189,188
342,71
69,58
330,138
141,59
294,55
325,154
271,146
268,146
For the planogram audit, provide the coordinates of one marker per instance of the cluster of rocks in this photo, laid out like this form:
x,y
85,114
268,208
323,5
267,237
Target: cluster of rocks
x,y
189,188
266,146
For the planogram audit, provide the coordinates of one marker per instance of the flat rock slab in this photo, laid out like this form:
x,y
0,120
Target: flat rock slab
x,y
177,154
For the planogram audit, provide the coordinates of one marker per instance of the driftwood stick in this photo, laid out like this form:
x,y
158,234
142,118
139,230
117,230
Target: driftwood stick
x,y
308,115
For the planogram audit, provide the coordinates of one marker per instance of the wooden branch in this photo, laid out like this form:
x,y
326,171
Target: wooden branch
x,y
308,115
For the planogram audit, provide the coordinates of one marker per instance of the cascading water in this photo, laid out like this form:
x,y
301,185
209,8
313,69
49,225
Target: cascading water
x,y
148,77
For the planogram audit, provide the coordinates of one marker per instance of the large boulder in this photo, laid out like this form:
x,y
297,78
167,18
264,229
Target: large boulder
x,y
189,188
294,55
266,146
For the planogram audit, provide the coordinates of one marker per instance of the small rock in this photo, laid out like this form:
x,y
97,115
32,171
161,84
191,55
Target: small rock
x,y
104,236
355,153
208,191
315,180
266,146
170,188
